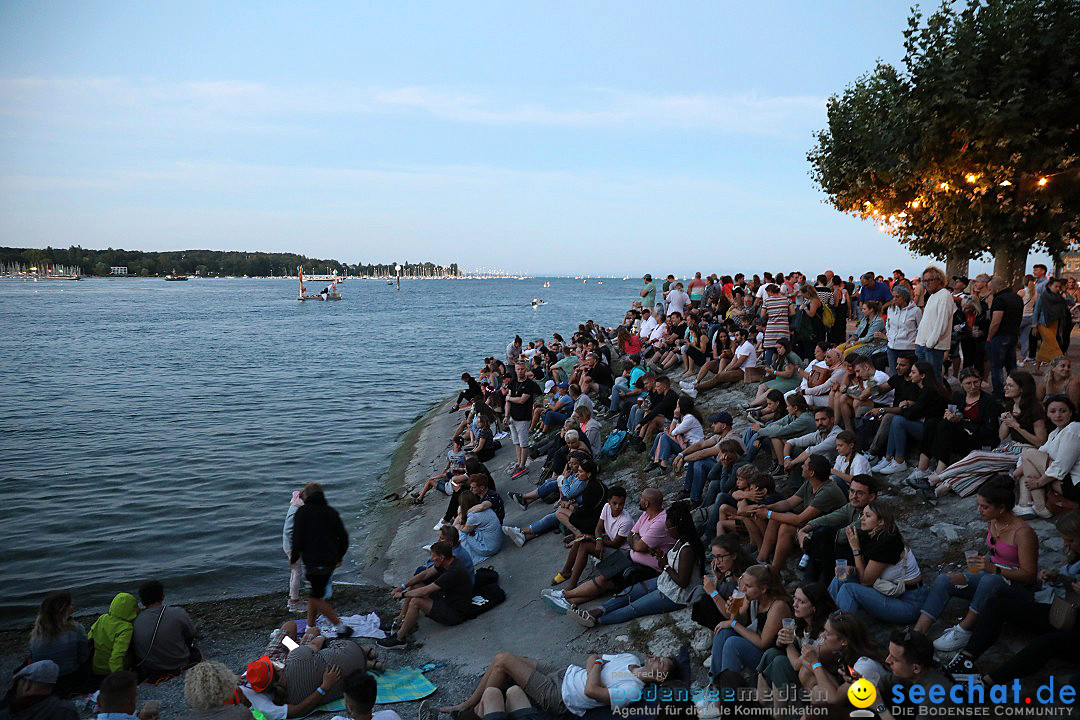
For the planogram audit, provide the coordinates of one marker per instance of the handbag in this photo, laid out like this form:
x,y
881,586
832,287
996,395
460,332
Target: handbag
x,y
891,588
1063,614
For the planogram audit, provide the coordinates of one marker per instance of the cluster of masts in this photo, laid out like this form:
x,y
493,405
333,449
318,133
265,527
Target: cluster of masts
x,y
20,271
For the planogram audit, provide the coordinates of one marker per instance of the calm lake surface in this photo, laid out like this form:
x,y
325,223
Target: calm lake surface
x,y
151,428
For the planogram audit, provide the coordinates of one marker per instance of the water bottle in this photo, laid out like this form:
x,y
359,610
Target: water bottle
x,y
804,562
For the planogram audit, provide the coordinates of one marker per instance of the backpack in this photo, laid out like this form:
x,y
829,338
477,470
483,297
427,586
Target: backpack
x,y
827,317
486,591
613,445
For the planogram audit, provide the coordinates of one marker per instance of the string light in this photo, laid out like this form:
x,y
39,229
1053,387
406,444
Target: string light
x,y
944,186
970,177
1043,181
1005,183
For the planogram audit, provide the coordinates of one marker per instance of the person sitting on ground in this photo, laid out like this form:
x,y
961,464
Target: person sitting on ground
x,y
163,636
699,458
111,635
904,393
483,440
613,681
623,395
321,541
580,470
824,539
911,416
849,462
910,662
869,337
1022,426
818,495
211,691
479,529
480,485
884,580
681,569
820,376
752,487
685,430
696,350
779,666
629,342
662,402
783,372
449,535
459,483
361,692
868,390
32,695
612,530
773,407
648,539
827,664
455,461
588,425
795,422
1013,562
470,393
822,441
729,560
970,423
732,366
1018,607
564,485
1058,379
554,411
1054,467
447,599
56,637
595,376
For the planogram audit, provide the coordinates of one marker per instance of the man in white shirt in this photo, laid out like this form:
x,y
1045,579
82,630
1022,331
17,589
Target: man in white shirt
x,y
648,324
935,328
901,324
606,680
730,369
678,300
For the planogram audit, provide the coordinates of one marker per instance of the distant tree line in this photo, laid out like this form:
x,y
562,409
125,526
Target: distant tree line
x,y
209,263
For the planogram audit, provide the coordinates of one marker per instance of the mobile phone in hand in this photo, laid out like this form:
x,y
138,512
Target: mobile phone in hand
x,y
289,642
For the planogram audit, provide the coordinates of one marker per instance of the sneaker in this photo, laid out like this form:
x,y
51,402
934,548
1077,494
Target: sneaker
x,y
514,534
555,602
1023,511
892,468
426,548
439,525
918,474
582,617
960,668
519,499
873,460
877,467
691,392
708,709
392,642
296,606
519,472
953,639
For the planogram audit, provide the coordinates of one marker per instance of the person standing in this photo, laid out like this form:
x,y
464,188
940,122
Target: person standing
x,y
1053,321
901,325
294,603
1006,314
648,293
319,539
935,328
521,392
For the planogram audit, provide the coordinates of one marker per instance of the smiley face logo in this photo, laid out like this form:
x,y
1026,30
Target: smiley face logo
x,y
862,693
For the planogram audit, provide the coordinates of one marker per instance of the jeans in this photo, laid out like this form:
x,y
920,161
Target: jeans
x,y
980,589
638,600
554,419
636,413
731,651
851,597
667,446
697,472
1002,357
618,402
936,358
752,450
544,524
899,431
1026,324
1014,606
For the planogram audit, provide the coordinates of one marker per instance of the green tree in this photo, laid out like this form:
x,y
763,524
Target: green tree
x,y
972,148
101,269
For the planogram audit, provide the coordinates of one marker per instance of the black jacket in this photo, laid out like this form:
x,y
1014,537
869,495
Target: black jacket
x,y
319,538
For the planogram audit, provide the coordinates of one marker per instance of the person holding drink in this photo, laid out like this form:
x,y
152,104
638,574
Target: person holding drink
x,y
779,666
1013,560
729,562
884,580
754,621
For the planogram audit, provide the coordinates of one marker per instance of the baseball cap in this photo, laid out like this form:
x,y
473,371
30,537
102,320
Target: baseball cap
x,y
721,417
648,277
868,669
548,385
563,386
260,674
45,672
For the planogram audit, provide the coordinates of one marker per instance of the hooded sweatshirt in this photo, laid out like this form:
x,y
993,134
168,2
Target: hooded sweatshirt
x,y
319,538
111,634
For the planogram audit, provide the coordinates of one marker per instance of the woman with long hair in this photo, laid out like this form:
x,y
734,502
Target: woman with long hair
x,y
783,372
754,620
1058,379
843,643
811,329
1012,563
1022,426
970,422
869,337
1053,320
629,342
1054,467
681,573
696,350
686,428
55,636
885,580
910,422
841,309
1028,293
811,606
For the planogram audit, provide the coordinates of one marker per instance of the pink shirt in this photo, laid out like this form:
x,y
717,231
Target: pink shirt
x,y
654,533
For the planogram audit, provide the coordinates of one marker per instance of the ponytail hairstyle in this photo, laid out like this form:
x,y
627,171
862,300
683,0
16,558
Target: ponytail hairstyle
x,y
770,580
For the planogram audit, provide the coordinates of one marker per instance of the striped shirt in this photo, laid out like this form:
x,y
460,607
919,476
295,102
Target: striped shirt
x,y
778,326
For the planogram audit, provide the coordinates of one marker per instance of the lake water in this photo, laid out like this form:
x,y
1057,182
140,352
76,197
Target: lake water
x,y
156,429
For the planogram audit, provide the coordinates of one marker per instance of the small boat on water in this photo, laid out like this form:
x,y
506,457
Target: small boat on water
x,y
330,292
599,282
547,284
173,277
389,282
536,302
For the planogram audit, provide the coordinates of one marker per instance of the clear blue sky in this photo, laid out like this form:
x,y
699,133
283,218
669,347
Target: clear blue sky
x,y
569,138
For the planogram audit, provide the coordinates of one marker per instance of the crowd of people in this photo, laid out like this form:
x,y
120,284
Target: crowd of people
x,y
779,537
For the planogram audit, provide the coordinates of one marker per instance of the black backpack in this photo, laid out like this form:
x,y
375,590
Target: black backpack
x,y
486,586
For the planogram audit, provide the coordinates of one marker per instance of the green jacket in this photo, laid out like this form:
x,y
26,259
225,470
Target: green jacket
x,y
789,427
111,634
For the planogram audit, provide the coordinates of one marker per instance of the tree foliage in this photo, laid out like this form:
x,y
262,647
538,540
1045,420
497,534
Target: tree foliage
x,y
972,147
209,262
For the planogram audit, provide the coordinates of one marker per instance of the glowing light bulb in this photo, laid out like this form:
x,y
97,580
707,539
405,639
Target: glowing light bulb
x,y
914,204
1043,181
970,177
1005,183
944,186
902,215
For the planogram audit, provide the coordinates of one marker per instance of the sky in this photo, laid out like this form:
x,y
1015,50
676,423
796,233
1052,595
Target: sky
x,y
547,138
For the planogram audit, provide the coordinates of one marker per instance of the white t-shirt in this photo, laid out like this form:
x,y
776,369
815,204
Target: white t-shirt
x,y
748,351
615,527
647,326
678,301
623,688
690,428
658,332
859,465
880,378
907,569
761,293
263,703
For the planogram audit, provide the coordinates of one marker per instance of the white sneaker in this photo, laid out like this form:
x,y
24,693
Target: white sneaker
x,y
554,600
880,464
953,639
893,468
918,474
514,534
691,392
1023,511
439,526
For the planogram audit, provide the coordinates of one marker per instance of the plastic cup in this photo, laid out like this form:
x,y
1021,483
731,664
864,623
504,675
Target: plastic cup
x,y
788,623
974,561
841,569
737,599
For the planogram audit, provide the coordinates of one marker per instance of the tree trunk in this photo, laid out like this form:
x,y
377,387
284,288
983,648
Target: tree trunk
x,y
1010,261
956,265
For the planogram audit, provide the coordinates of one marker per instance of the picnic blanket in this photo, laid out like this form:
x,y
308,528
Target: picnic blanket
x,y
404,684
